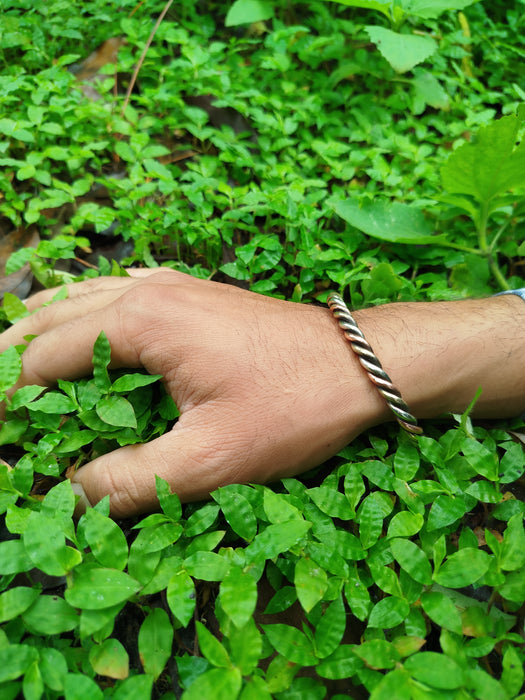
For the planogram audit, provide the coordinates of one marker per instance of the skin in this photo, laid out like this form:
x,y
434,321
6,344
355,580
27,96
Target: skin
x,y
266,388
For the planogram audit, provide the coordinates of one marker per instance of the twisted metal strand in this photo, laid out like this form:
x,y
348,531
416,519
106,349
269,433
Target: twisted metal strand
x,y
372,365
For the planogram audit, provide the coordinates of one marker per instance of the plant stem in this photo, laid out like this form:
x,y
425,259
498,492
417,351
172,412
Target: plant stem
x,y
487,250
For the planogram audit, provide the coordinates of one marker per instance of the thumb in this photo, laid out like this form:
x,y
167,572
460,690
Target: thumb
x,y
127,475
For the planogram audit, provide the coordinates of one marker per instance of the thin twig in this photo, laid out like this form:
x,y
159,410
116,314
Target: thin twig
x,y
143,56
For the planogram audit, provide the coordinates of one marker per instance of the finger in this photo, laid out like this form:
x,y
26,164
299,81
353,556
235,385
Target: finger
x,y
181,457
65,350
86,287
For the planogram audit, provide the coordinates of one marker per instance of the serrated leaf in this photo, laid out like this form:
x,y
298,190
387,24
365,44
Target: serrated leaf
x,y
402,51
489,165
430,9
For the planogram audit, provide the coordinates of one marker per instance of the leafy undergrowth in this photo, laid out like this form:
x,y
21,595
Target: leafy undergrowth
x,y
295,148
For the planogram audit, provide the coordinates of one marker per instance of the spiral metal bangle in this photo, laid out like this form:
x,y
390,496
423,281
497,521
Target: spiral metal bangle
x,y
372,365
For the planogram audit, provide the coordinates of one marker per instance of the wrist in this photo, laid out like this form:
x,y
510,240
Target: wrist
x,y
439,354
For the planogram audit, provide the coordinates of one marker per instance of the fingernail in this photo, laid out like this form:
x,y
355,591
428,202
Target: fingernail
x,y
82,502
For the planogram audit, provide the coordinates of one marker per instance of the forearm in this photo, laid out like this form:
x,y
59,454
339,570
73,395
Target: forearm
x,y
438,354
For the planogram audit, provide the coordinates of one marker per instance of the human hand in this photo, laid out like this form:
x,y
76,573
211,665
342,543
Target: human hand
x,y
265,388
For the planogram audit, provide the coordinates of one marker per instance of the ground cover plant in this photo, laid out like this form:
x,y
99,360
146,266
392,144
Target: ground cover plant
x,y
290,148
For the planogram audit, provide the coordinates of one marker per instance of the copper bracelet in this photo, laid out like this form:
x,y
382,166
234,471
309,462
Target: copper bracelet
x,y
372,365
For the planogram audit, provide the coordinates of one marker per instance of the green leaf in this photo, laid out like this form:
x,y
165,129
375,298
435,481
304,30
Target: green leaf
x,y
388,221
128,382
383,7
219,684
412,559
211,648
10,368
514,587
15,601
238,596
15,660
245,645
50,615
331,502
343,663
430,9
513,549
181,597
101,360
53,402
275,539
207,566
310,582
405,524
330,628
463,568
378,653
357,596
436,670
237,511
14,308
402,51
13,558
155,642
248,12
105,538
133,688
109,659
441,610
45,542
489,165
169,502
53,668
78,686
388,612
446,510
117,411
291,643
94,588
